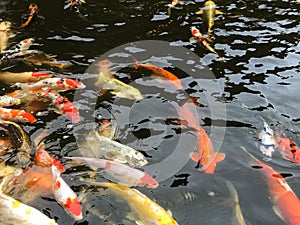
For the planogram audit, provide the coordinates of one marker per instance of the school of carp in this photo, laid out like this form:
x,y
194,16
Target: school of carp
x,y
37,173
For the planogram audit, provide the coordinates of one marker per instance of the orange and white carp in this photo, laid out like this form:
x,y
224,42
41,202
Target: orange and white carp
x,y
10,78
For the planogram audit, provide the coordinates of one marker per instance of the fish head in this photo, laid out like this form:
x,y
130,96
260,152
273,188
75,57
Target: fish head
x,y
42,158
33,8
73,84
136,159
5,25
74,208
149,181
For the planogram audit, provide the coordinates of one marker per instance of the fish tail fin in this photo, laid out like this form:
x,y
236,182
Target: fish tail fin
x,y
199,12
218,12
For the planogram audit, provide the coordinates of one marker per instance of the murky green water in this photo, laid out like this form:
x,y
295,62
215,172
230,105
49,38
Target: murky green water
x,y
259,41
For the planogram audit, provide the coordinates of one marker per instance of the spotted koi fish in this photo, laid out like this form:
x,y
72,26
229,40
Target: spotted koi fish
x,y
16,115
32,12
65,196
16,212
280,193
43,159
124,174
54,83
201,39
12,78
288,149
6,101
21,46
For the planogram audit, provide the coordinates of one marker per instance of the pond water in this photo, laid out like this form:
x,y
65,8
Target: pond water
x,y
256,76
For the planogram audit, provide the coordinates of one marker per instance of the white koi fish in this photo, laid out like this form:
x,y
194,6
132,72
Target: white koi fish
x,y
268,142
124,174
97,145
21,46
65,196
15,212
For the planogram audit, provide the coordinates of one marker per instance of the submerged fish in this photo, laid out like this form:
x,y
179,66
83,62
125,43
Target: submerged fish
x,y
286,203
5,34
205,154
124,174
97,146
288,149
267,140
12,78
15,212
144,210
106,81
235,204
32,12
74,5
209,11
161,73
201,39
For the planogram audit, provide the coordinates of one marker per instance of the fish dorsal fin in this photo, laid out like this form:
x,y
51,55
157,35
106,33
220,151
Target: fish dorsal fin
x,y
199,12
218,12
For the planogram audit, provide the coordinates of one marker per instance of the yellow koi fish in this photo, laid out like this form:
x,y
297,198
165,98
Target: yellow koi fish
x,y
144,210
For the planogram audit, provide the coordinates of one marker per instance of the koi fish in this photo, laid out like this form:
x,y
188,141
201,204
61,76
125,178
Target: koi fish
x,y
124,174
54,83
288,149
201,39
111,150
21,46
107,129
205,155
235,204
281,194
162,73
267,143
74,5
11,78
32,12
43,159
174,3
16,212
144,210
39,58
65,196
209,11
106,81
6,101
5,34
16,115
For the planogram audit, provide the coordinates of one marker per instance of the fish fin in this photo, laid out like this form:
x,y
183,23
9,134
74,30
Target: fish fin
x,y
219,157
195,156
199,12
278,213
218,12
192,40
169,212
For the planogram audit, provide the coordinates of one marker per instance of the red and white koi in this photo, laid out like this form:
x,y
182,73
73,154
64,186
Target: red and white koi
x,y
267,143
12,78
16,212
124,174
53,83
65,196
43,159
288,149
16,115
281,194
201,39
21,46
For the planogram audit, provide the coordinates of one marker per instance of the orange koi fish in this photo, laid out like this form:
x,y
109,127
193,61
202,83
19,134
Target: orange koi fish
x,y
11,78
16,115
201,39
32,12
281,194
54,83
160,72
65,196
205,155
288,149
125,175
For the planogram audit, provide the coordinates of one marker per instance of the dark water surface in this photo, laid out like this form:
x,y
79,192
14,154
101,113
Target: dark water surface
x,y
258,42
